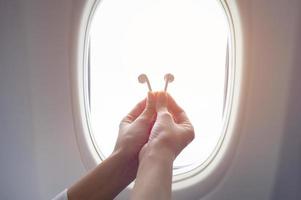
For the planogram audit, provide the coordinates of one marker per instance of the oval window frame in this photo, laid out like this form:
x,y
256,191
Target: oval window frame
x,y
87,149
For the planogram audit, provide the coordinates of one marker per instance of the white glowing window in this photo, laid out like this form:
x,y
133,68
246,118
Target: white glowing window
x,y
186,38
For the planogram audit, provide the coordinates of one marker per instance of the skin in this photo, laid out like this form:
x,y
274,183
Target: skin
x,y
171,133
120,168
150,137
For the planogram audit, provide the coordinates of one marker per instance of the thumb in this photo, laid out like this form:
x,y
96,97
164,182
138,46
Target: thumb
x,y
150,107
161,103
161,107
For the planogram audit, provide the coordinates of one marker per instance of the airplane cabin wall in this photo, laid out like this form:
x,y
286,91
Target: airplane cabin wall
x,y
267,162
38,153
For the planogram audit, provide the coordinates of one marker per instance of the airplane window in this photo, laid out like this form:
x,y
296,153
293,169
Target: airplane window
x,y
186,38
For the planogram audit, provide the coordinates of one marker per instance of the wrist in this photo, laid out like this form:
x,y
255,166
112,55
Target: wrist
x,y
156,151
124,155
126,165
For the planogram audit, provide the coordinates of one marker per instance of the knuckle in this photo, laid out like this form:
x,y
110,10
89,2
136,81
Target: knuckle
x,y
191,134
165,115
144,120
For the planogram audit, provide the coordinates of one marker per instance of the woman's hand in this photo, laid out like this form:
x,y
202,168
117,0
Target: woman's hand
x,y
171,133
135,128
172,130
120,168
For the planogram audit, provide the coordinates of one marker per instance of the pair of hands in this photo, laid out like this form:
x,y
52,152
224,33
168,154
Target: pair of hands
x,y
157,124
150,138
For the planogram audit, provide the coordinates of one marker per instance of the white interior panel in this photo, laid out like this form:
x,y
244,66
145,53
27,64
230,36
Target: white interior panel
x,y
39,153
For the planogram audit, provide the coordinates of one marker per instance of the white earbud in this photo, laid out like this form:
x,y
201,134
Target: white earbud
x,y
142,78
168,79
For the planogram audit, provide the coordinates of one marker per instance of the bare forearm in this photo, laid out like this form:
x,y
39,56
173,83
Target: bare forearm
x,y
106,180
154,176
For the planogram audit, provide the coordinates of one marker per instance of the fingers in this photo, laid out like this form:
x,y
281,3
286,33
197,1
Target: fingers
x,y
145,108
187,136
135,112
181,118
150,107
161,104
172,105
177,112
161,107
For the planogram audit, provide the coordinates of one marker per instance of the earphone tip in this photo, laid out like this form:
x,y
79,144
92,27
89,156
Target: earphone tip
x,y
169,77
142,78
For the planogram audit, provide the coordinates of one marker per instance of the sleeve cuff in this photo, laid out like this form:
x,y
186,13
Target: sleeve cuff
x,y
61,196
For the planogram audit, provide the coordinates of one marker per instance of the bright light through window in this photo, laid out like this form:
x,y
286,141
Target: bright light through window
x,y
186,38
